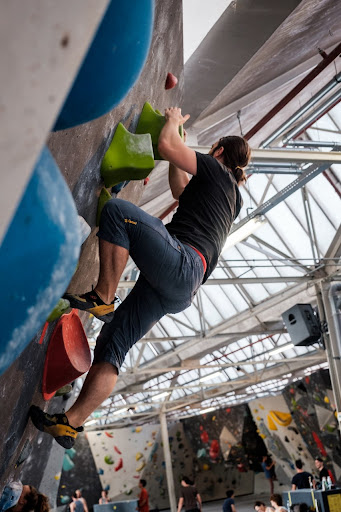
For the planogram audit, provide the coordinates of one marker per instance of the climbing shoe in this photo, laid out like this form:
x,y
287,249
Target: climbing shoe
x,y
57,425
92,303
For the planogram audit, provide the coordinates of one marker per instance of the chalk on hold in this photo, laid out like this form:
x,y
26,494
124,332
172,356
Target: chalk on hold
x,y
104,197
151,121
129,157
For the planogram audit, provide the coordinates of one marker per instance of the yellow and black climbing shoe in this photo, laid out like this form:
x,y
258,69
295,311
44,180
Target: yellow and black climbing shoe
x,y
92,303
57,425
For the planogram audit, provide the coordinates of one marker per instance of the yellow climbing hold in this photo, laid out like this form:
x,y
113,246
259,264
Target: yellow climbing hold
x,y
271,423
326,399
258,418
138,429
261,407
263,436
205,467
282,418
57,476
138,456
141,466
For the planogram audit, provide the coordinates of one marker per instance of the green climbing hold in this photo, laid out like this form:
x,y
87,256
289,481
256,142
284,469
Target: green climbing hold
x,y
62,306
108,459
151,121
129,157
64,390
104,197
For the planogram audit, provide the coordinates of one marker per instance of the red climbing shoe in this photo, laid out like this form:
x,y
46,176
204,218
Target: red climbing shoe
x,y
92,303
57,425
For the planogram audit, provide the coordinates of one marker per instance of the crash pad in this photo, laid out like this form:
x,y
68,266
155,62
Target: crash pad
x,y
129,157
112,64
38,257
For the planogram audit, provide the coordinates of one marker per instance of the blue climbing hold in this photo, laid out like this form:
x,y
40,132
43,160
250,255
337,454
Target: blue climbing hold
x,y
113,62
37,258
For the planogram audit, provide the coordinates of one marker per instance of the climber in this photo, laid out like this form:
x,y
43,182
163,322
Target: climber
x,y
174,260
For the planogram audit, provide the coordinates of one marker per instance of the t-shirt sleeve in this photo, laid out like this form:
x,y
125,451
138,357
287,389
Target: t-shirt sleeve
x,y
207,167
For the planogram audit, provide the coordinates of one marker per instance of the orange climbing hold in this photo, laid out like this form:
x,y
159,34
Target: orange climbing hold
x,y
68,355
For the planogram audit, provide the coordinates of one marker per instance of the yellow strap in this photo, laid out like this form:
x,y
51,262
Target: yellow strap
x,y
102,310
61,430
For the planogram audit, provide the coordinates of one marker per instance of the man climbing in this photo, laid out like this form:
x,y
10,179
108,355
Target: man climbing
x,y
173,260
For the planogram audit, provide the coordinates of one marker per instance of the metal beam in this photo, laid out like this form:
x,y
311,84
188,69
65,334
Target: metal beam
x,y
240,281
153,371
268,328
287,155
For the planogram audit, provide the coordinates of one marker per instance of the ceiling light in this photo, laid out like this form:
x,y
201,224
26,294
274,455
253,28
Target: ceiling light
x,y
90,422
283,348
119,411
244,231
210,409
210,376
161,395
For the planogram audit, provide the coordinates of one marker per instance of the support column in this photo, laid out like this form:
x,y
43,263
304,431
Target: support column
x,y
333,348
168,461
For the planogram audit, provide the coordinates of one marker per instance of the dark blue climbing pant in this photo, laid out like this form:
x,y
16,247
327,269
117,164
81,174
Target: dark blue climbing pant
x,y
170,275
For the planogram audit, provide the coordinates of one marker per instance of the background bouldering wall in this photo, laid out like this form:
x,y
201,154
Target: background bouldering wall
x,y
219,458
124,456
300,424
281,436
78,152
78,472
311,403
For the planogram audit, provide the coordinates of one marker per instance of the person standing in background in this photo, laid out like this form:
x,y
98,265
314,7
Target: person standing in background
x,y
268,466
104,498
143,503
228,505
190,498
78,502
301,479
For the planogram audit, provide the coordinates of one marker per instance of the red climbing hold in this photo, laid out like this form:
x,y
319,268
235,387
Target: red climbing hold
x,y
117,450
145,181
204,436
119,465
214,449
68,355
108,434
319,445
171,81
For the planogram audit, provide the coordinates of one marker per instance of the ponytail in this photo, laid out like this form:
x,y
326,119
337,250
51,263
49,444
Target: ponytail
x,y
236,155
239,174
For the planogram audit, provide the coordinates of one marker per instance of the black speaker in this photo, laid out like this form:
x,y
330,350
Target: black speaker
x,y
302,324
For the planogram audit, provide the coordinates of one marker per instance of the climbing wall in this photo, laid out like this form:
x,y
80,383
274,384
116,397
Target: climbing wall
x,y
78,471
219,458
123,456
78,152
311,403
281,436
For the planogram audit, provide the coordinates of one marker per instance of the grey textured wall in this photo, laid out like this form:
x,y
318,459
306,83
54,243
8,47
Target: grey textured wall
x,y
78,152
